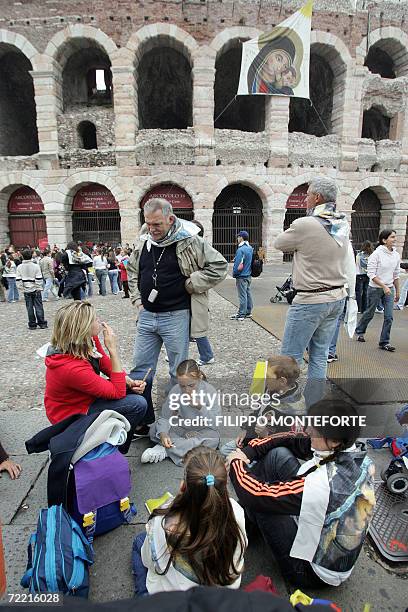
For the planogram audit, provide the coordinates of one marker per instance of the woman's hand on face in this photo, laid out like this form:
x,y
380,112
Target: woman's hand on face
x,y
109,338
136,386
237,454
13,469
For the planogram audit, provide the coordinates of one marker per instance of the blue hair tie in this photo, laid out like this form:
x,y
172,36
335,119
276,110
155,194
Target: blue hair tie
x,y
210,480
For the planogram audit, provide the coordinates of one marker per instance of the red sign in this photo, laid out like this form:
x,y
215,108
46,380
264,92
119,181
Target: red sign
x,y
94,197
25,200
297,198
176,196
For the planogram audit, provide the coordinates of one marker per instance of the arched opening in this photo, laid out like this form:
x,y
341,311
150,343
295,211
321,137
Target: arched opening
x,y
302,116
18,116
27,222
295,208
365,218
376,125
164,86
179,199
405,248
95,216
379,61
238,207
246,113
87,135
86,74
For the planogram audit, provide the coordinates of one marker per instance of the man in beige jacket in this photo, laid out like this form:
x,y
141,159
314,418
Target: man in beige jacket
x,y
323,265
170,272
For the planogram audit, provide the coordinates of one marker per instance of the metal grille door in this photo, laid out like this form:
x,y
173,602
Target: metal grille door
x,y
96,226
365,218
237,208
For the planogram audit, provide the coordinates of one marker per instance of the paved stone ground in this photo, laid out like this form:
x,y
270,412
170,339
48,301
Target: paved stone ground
x,y
237,347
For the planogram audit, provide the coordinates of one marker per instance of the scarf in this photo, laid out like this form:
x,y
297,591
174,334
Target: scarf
x,y
78,258
334,223
180,230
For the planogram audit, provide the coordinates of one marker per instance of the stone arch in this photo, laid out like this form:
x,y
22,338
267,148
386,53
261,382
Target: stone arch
x,y
367,219
246,113
8,184
177,37
21,43
393,41
55,51
152,181
386,192
336,61
261,187
71,185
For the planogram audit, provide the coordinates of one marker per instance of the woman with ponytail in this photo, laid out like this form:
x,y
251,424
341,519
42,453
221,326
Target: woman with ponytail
x,y
199,539
314,515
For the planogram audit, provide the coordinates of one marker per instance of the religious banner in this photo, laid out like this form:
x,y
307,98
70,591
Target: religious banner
x,y
277,63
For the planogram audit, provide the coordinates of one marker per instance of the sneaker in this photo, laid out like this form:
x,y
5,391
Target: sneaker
x,y
379,310
360,339
141,432
387,347
237,318
43,326
248,316
203,363
398,307
331,358
154,455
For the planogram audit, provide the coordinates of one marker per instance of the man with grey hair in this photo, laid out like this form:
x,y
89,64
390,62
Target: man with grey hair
x,y
323,266
170,272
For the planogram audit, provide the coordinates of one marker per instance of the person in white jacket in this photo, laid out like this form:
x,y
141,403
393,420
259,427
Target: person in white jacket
x,y
199,539
383,271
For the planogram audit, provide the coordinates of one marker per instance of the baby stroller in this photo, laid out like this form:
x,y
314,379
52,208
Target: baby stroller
x,y
285,292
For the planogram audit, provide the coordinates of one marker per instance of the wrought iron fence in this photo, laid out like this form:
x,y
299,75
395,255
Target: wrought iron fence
x,y
96,226
228,222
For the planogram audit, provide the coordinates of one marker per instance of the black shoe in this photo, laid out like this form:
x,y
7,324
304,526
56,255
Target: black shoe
x,y
387,347
331,358
141,432
43,326
32,327
124,297
360,339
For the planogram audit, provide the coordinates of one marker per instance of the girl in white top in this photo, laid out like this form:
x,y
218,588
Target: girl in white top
x,y
199,539
100,261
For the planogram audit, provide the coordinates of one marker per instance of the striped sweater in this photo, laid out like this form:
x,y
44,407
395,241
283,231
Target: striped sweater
x,y
29,277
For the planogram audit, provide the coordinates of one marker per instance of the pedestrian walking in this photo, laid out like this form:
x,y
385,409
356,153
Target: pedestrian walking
x,y
47,270
362,279
383,271
124,275
75,262
9,273
2,291
30,281
113,272
323,263
100,263
242,274
170,272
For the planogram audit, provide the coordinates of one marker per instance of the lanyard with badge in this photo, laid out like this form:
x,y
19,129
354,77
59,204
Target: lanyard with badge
x,y
154,292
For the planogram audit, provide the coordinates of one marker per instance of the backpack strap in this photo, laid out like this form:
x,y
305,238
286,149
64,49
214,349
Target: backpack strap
x,y
26,579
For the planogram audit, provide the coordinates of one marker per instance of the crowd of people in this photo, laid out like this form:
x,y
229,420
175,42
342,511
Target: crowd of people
x,y
309,492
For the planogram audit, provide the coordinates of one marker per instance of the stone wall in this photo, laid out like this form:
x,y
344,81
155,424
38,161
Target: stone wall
x,y
103,119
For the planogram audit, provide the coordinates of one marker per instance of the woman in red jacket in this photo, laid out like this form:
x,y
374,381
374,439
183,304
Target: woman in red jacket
x,y
74,362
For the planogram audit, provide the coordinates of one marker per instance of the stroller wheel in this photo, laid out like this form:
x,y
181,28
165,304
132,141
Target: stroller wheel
x,y
272,300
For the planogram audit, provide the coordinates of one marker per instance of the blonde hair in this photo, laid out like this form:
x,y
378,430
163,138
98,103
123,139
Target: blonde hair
x,y
190,368
71,333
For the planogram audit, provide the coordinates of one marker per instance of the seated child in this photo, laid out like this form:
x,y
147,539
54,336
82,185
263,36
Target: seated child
x,y
277,377
191,398
199,539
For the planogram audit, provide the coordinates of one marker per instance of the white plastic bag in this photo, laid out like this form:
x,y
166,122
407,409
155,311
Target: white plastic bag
x,y
350,320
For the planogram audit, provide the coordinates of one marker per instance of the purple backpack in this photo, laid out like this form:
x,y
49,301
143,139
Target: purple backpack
x,y
99,491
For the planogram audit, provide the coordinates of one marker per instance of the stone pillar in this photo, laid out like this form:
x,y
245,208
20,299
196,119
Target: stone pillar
x,y
204,216
403,123
273,226
203,105
125,102
4,223
59,226
397,220
276,126
353,118
129,224
48,100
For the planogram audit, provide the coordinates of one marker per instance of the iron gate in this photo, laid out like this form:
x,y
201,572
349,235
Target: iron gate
x,y
96,226
365,218
27,230
291,215
237,208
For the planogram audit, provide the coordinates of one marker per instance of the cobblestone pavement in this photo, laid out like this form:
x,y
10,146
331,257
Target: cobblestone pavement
x,y
237,346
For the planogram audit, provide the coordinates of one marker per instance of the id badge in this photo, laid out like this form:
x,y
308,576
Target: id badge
x,y
152,295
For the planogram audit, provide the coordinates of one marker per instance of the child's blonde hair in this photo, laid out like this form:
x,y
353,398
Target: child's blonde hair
x,y
282,366
189,367
72,329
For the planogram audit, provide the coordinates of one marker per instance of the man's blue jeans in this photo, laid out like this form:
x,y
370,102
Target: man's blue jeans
x,y
333,343
244,295
48,282
139,571
102,275
155,328
311,325
204,349
12,294
374,297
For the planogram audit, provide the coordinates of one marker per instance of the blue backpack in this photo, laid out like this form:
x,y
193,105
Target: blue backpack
x,y
59,556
